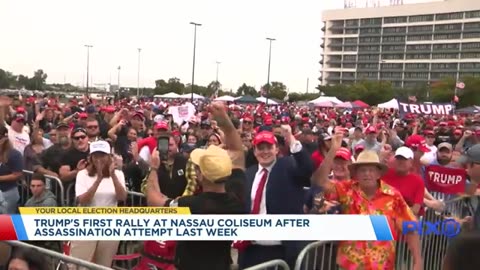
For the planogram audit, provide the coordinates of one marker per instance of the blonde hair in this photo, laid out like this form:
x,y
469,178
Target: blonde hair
x,y
5,147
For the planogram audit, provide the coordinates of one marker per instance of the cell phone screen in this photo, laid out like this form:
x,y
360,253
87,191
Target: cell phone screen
x,y
162,144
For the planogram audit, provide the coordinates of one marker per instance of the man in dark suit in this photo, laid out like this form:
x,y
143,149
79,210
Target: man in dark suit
x,y
275,186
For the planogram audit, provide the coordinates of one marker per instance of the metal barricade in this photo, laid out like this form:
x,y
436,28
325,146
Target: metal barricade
x,y
270,265
52,183
319,255
135,199
57,260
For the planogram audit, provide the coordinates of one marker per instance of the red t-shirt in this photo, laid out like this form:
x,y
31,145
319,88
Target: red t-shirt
x,y
317,159
411,186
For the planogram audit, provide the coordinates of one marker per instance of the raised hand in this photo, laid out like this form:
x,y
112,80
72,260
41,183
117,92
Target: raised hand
x,y
337,140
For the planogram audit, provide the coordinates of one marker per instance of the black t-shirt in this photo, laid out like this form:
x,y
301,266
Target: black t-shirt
x,y
72,157
208,255
442,136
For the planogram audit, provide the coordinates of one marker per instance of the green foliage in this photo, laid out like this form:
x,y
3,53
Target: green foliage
x,y
247,90
37,82
276,90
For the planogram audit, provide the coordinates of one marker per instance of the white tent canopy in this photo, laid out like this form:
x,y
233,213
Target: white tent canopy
x,y
270,101
391,104
323,99
195,96
168,95
225,98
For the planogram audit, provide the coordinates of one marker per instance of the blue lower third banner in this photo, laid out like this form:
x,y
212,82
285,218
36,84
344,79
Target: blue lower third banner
x,y
65,225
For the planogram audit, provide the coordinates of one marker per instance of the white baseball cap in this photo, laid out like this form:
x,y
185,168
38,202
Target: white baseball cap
x,y
404,152
100,146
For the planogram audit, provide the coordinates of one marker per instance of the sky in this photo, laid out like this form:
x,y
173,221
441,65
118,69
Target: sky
x,y
51,34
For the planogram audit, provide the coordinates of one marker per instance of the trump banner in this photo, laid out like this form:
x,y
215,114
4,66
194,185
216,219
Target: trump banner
x,y
426,108
446,180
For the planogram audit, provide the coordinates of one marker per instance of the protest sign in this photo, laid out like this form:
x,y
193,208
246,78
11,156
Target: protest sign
x,y
426,108
446,180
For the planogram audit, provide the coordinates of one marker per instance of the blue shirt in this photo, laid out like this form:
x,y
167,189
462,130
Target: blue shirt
x,y
13,165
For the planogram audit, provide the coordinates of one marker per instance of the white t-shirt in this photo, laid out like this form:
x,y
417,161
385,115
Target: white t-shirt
x,y
105,194
431,156
19,140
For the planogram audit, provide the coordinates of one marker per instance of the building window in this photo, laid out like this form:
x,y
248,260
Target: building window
x,y
335,65
371,21
395,20
419,37
337,23
368,66
446,36
351,41
416,75
470,66
369,48
446,47
349,58
417,66
470,55
387,48
471,35
441,75
348,75
350,48
349,66
444,55
367,75
372,57
392,56
351,23
440,27
336,41
370,31
470,26
471,46
335,48
443,66
423,47
351,31
389,30
472,14
393,39
449,16
392,66
418,56
421,18
387,75
337,32
422,28
369,40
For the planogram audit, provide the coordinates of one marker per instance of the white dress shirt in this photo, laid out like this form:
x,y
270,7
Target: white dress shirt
x,y
294,148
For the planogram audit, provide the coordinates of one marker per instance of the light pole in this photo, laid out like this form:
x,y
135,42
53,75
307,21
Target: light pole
x,y
269,60
118,81
216,80
138,73
194,47
88,66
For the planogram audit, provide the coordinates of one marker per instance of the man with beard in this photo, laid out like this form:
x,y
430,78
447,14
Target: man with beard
x,y
52,157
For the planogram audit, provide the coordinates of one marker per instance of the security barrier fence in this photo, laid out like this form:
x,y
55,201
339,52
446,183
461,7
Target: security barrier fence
x,y
316,256
270,265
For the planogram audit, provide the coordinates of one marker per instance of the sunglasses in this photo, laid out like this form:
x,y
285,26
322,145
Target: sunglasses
x,y
247,122
79,137
92,127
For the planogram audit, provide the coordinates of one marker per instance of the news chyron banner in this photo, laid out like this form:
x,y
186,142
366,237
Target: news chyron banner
x,y
168,223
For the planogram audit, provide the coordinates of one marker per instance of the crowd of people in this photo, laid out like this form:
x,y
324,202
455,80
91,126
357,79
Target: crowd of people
x,y
240,159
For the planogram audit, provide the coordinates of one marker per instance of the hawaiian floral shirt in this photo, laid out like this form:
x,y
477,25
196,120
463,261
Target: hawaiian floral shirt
x,y
366,255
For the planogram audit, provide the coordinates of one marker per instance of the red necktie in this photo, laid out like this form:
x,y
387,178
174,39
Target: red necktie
x,y
257,200
259,193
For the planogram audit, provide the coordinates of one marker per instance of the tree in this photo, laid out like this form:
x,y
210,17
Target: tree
x,y
173,85
247,90
38,81
276,90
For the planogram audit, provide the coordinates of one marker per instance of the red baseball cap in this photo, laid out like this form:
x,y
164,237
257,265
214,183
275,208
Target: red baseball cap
x,y
161,125
247,119
176,133
139,114
417,141
370,130
268,121
428,132
20,110
83,115
359,148
443,124
265,137
344,154
458,132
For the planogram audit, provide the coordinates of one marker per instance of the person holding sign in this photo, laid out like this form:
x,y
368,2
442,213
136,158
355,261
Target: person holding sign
x,y
368,195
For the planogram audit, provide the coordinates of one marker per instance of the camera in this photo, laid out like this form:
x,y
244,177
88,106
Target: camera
x,y
162,147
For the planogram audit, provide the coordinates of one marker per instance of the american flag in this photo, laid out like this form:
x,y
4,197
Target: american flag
x,y
460,85
412,99
455,99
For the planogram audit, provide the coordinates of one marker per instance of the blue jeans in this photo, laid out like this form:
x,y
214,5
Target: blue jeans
x,y
11,197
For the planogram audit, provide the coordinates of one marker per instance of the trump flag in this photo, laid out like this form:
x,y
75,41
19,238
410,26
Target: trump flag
x,y
446,180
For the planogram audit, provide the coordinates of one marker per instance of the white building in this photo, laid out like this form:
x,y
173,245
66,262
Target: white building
x,y
407,44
